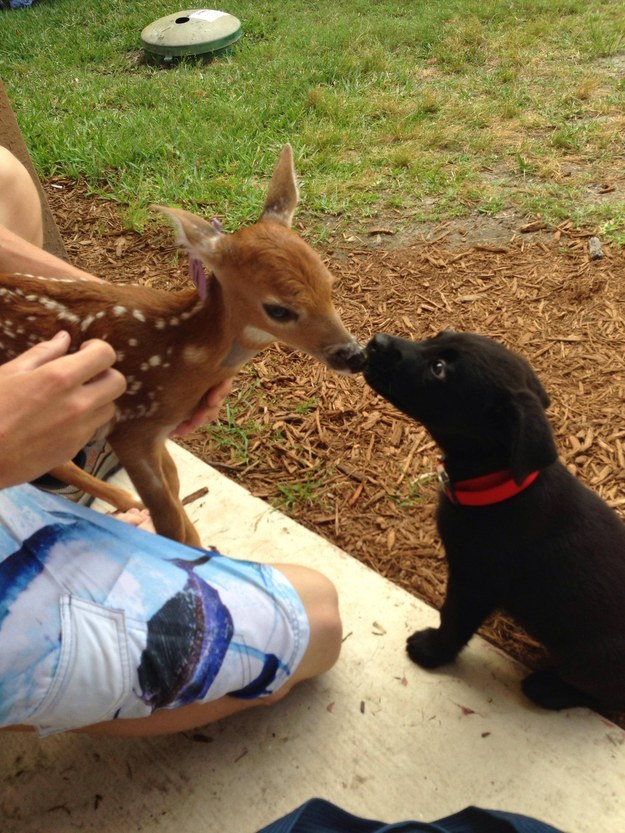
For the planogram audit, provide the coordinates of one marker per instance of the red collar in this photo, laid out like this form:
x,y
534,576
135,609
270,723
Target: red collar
x,y
484,490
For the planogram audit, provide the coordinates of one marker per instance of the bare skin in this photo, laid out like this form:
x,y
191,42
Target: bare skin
x,y
52,402
320,600
79,389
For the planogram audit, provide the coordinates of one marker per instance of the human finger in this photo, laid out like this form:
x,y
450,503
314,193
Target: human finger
x,y
105,387
207,410
217,395
42,353
89,361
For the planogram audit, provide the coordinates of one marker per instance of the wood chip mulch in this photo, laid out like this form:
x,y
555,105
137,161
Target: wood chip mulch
x,y
330,452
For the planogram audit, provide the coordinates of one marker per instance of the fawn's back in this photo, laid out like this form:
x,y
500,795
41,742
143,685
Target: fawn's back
x,y
264,284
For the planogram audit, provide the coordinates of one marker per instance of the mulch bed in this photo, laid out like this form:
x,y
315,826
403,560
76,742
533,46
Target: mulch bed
x,y
540,294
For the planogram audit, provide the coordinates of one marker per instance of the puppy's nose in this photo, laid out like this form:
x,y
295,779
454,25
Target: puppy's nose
x,y
384,351
379,343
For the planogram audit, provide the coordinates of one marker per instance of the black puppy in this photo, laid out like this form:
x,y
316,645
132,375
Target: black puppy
x,y
520,532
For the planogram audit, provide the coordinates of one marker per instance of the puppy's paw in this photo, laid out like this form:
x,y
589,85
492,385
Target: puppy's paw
x,y
547,690
424,648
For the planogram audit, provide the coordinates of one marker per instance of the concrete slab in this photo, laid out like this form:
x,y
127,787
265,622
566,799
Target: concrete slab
x,y
377,735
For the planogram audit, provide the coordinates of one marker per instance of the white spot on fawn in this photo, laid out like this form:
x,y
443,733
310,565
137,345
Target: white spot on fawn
x,y
191,312
132,342
194,355
66,315
257,337
136,313
119,310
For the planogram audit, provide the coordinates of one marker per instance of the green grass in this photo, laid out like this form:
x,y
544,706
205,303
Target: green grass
x,y
411,492
424,110
234,430
309,490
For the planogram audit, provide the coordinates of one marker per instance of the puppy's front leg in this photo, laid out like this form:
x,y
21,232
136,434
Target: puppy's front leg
x,y
462,613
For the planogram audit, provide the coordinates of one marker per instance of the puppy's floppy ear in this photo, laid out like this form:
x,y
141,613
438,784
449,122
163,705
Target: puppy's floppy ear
x,y
535,385
532,445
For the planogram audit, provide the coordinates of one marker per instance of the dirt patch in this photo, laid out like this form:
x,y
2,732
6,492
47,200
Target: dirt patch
x,y
392,232
343,462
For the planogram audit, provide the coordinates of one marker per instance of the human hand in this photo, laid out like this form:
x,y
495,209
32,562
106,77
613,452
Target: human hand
x,y
208,409
52,403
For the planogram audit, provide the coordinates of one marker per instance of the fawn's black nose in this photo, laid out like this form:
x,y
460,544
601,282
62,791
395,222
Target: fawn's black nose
x,y
349,357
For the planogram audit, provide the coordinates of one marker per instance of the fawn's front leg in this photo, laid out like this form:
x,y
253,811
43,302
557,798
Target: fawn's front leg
x,y
155,478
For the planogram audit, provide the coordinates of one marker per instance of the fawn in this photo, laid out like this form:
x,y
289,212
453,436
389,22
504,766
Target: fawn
x,y
265,284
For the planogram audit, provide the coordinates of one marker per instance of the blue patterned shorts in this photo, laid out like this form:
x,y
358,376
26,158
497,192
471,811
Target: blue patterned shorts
x,y
100,620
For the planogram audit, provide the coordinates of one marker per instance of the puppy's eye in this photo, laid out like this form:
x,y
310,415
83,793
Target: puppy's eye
x,y
278,313
438,369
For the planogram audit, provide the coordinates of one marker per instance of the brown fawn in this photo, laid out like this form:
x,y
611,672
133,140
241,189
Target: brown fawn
x,y
265,284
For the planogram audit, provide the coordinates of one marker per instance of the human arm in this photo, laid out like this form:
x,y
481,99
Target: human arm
x,y
52,403
207,410
18,255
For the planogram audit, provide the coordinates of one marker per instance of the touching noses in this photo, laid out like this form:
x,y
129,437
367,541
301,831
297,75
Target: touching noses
x,y
383,345
348,358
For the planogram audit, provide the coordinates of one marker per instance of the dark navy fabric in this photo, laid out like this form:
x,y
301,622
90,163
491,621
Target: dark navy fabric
x,y
320,816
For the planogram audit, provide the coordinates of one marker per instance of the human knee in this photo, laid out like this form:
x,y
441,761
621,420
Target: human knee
x,y
20,206
320,599
325,611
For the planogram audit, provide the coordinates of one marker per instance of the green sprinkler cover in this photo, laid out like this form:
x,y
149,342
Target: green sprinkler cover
x,y
191,32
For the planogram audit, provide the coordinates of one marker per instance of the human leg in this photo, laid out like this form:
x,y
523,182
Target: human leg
x,y
20,206
320,600
163,637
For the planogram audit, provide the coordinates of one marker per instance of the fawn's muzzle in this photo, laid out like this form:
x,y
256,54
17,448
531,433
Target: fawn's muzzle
x,y
349,358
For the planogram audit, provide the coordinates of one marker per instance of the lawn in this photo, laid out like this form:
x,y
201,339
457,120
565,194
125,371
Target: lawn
x,y
415,111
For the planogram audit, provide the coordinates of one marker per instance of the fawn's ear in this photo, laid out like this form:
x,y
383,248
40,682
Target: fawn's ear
x,y
532,446
283,194
199,236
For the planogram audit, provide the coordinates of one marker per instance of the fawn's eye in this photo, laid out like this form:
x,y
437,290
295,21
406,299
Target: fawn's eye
x,y
278,313
438,369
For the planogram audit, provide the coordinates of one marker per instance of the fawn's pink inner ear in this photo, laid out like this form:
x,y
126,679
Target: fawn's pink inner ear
x,y
197,274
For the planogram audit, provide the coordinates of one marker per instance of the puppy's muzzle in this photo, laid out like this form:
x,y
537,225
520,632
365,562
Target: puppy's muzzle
x,y
381,343
382,355
382,352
